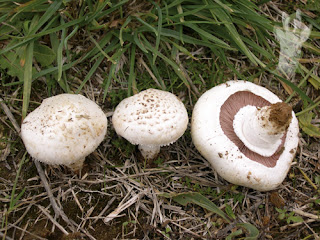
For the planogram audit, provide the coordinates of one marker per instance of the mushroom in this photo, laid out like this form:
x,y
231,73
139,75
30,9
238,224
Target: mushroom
x,y
150,119
247,134
64,129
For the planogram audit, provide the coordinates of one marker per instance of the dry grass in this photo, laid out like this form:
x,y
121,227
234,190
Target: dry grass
x,y
119,196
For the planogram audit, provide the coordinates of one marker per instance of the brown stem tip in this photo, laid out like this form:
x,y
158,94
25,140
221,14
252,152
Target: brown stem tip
x,y
280,115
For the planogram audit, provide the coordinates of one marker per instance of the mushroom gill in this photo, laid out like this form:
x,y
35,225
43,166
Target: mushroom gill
x,y
227,113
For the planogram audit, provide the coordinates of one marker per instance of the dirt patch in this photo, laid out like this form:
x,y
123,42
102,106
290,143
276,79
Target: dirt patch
x,y
280,115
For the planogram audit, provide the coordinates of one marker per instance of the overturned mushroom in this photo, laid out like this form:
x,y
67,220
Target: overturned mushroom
x,y
150,119
248,135
64,129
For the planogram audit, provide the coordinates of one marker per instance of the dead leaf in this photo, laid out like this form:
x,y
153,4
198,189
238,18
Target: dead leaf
x,y
115,23
265,220
276,200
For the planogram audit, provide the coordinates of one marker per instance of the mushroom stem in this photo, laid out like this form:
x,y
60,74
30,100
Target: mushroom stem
x,y
149,151
261,129
76,166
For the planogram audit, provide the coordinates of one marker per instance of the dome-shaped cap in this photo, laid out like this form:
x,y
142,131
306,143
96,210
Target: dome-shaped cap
x,y
152,117
64,129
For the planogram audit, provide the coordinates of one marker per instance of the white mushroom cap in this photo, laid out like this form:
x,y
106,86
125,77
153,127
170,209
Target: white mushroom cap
x,y
216,139
64,129
150,119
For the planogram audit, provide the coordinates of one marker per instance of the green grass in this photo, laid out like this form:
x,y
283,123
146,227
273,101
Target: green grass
x,y
14,198
189,46
143,30
148,32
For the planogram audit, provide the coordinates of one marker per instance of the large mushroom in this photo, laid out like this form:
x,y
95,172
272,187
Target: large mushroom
x,y
247,133
64,129
150,119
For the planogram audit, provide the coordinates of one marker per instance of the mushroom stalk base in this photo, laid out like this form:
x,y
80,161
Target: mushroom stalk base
x,y
149,151
258,130
76,166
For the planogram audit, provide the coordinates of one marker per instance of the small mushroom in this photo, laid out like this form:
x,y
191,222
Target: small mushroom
x,y
247,134
150,119
64,129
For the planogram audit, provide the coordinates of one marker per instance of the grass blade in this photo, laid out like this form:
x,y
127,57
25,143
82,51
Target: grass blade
x,y
155,71
196,198
138,42
101,50
27,7
115,7
30,38
128,20
224,17
59,53
27,78
206,35
148,26
158,30
47,15
107,81
303,96
13,200
252,231
192,40
101,6
90,73
132,74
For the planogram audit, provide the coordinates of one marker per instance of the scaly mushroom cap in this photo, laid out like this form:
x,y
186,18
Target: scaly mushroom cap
x,y
152,118
64,129
246,133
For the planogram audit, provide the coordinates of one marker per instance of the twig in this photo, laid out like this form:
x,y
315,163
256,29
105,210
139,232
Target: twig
x,y
85,219
187,230
6,237
58,211
308,179
122,207
30,233
52,220
24,230
184,72
10,116
316,236
296,224
305,214
105,209
75,196
142,62
20,218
